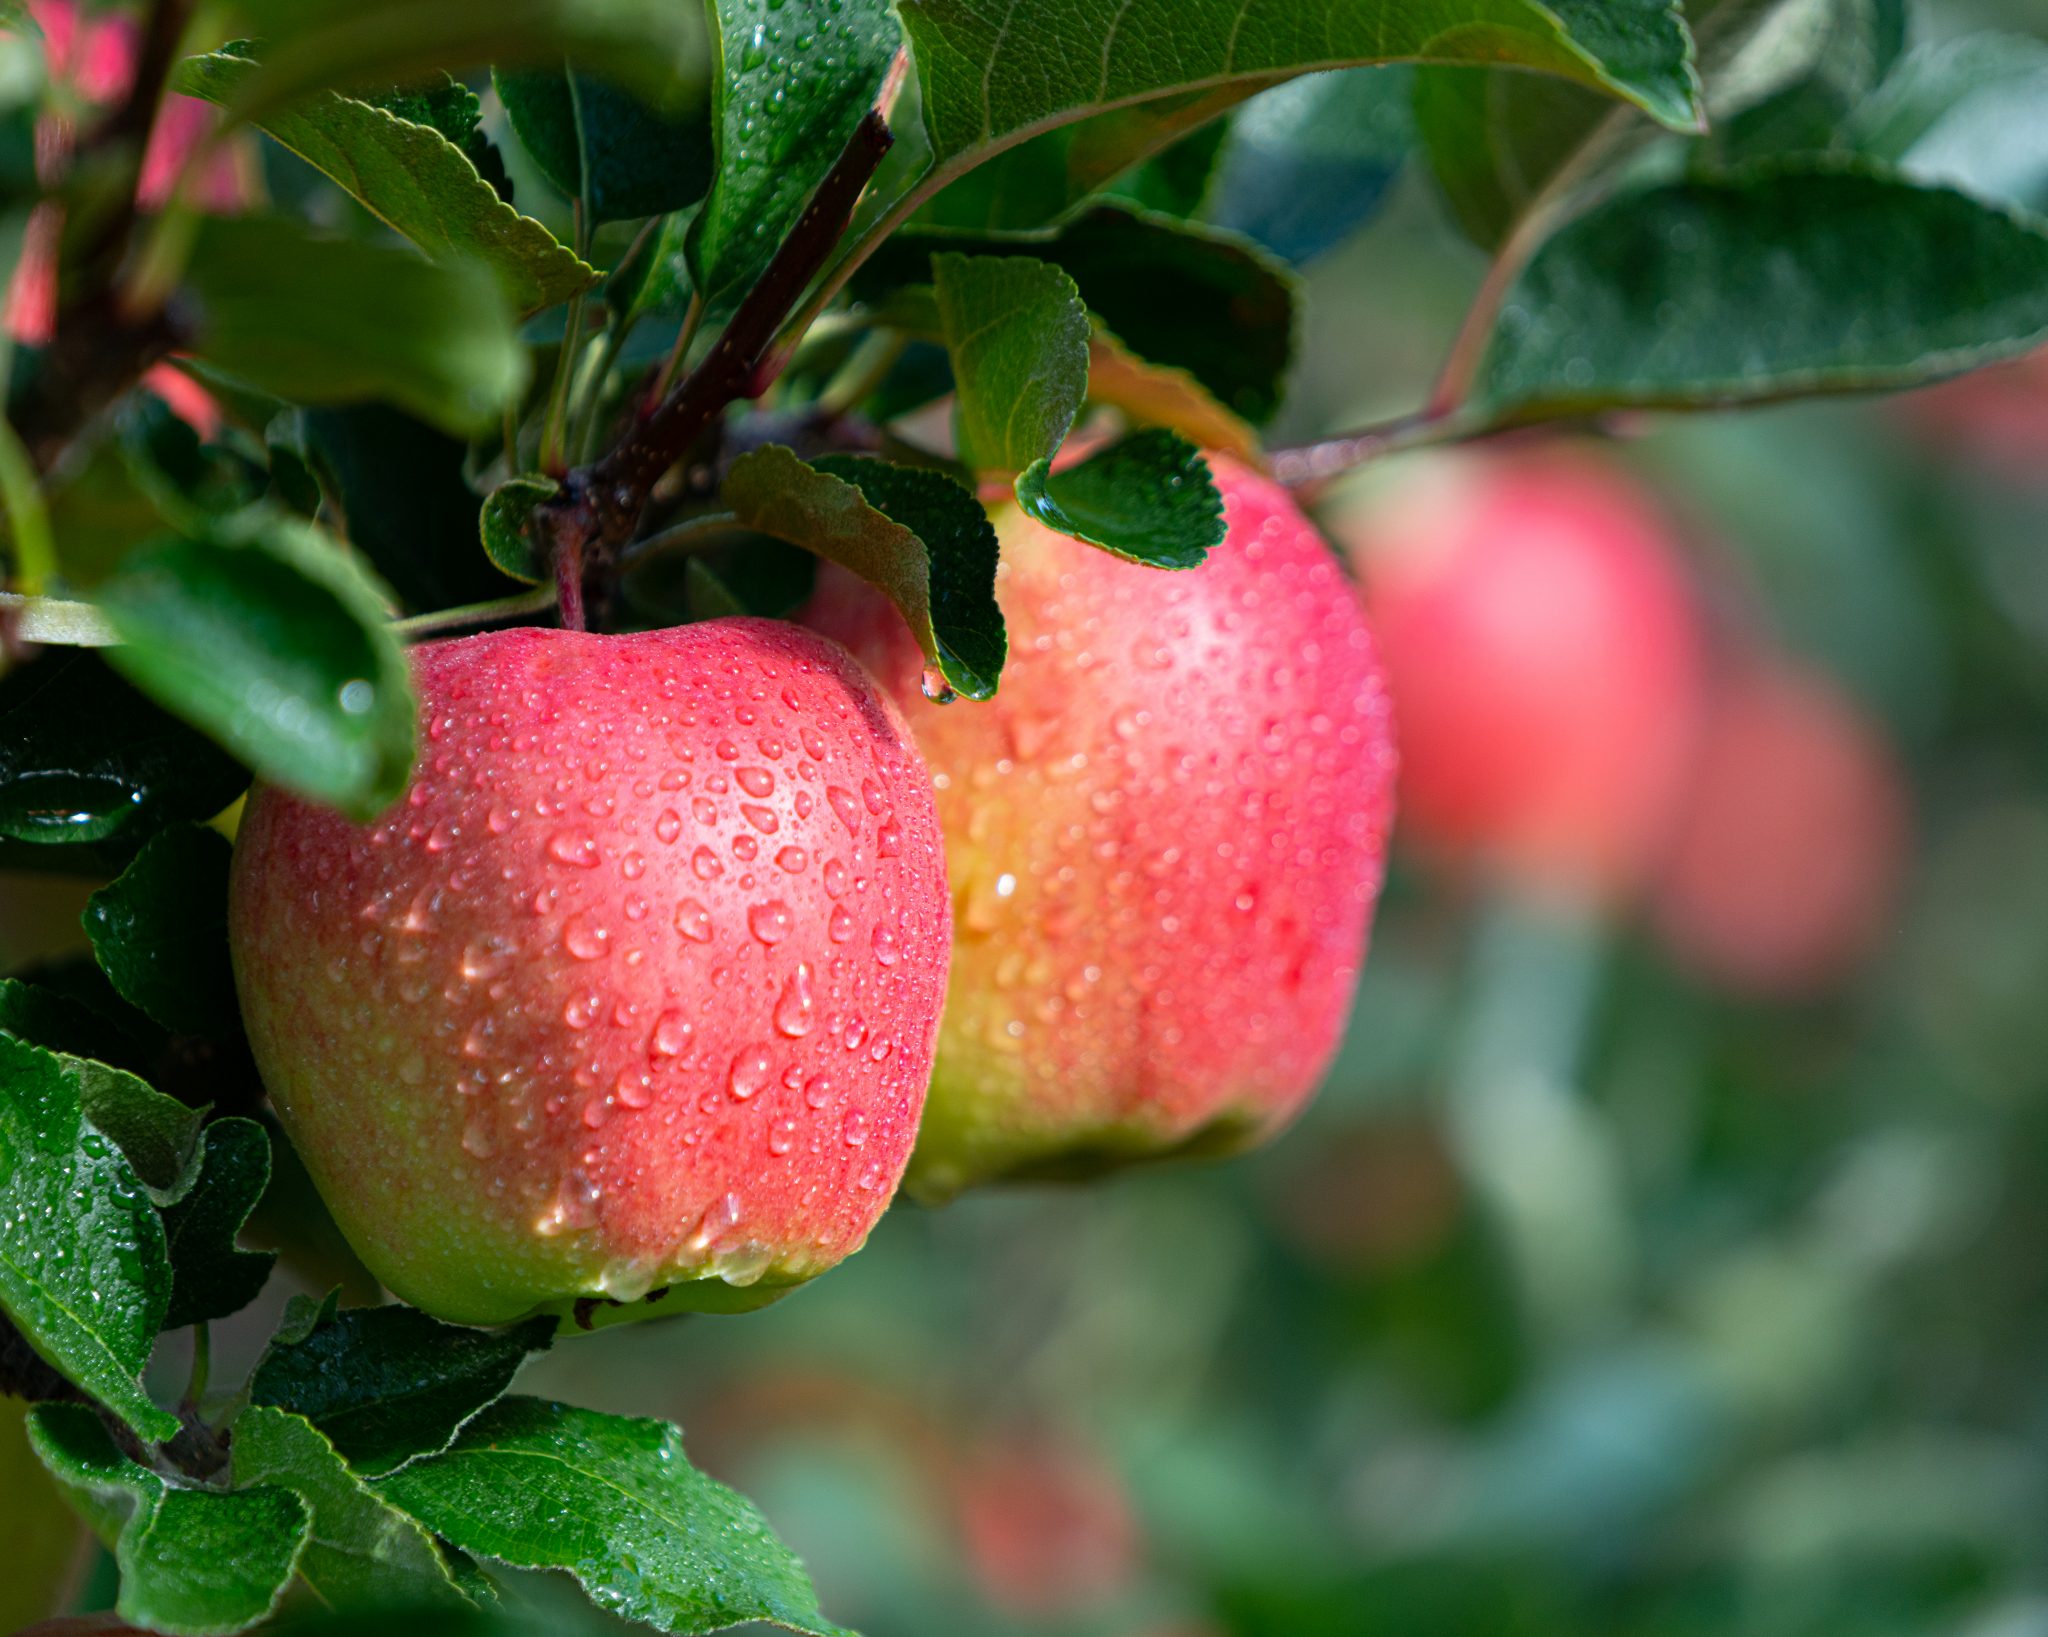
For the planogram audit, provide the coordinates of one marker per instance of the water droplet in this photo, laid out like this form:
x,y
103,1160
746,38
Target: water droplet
x,y
574,848
584,938
794,1009
839,924
934,686
783,1138
761,818
871,793
835,878
693,921
705,866
582,1011
755,781
672,1032
633,866
752,1069
887,952
889,839
845,806
634,1088
793,860
485,957
855,1130
669,825
476,1138
771,922
818,1090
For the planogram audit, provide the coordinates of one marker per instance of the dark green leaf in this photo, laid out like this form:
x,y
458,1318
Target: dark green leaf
x,y
195,1561
1308,161
657,279
992,78
83,1273
160,933
1177,294
440,100
275,643
325,44
1176,180
920,537
505,515
1785,281
210,1276
157,1135
1018,336
388,1383
89,769
361,1551
1149,498
405,503
411,176
796,77
337,321
48,1017
613,1502
642,159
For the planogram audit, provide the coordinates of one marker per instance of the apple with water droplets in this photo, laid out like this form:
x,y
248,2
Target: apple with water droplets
x,y
629,1004
1165,835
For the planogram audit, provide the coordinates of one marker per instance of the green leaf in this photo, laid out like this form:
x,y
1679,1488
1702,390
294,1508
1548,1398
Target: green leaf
x,y
192,1561
83,1272
361,1550
1496,139
918,535
89,769
1159,395
795,77
613,1502
1149,498
322,44
1308,161
160,933
335,321
157,1135
1176,180
404,502
1178,294
503,523
1018,336
412,178
387,1384
657,278
1963,113
642,158
274,642
1784,281
65,1024
211,1276
993,77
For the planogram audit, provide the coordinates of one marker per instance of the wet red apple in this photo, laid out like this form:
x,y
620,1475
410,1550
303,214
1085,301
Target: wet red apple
x,y
1165,836
631,998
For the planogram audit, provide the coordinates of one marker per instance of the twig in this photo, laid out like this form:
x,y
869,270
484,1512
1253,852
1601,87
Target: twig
x,y
685,535
1316,463
741,364
535,601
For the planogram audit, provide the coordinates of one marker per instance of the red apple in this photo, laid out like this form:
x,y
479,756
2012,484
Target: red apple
x,y
1165,835
634,992
1786,860
1541,644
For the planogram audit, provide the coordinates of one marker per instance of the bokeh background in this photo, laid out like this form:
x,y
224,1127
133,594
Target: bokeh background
x,y
1609,1286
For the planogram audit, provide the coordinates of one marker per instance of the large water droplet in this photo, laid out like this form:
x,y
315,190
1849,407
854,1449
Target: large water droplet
x,y
672,1033
887,951
585,938
705,866
576,848
795,1008
693,921
669,825
855,1130
755,781
752,1069
771,922
934,686
845,806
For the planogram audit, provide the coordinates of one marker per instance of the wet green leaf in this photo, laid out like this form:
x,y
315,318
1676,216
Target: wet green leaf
x,y
160,933
274,642
1018,336
504,520
1149,498
917,535
212,1277
193,1561
83,1271
613,1502
642,158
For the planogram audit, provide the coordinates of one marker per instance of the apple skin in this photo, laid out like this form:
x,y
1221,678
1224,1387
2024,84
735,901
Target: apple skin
x,y
1165,835
1783,871
635,991
1543,649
